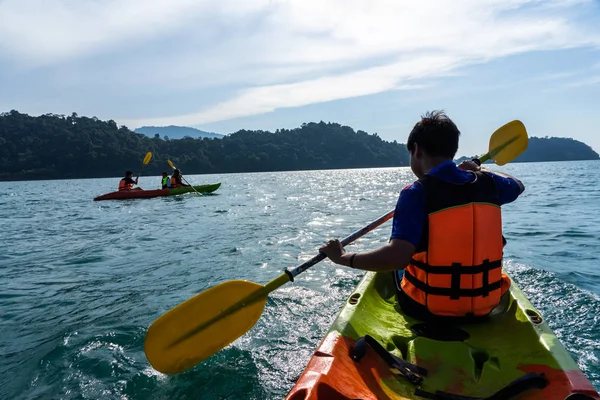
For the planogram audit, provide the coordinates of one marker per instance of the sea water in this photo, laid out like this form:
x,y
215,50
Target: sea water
x,y
83,280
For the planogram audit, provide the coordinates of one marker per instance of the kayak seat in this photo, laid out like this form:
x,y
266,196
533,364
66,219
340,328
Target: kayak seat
x,y
455,359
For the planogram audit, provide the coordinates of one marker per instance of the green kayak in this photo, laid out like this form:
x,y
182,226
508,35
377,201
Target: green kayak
x,y
374,351
146,194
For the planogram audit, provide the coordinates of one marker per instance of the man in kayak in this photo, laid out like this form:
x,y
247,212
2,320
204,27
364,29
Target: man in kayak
x,y
446,241
176,179
166,181
127,182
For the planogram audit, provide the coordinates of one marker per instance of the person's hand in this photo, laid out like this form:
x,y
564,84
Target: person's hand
x,y
334,250
469,165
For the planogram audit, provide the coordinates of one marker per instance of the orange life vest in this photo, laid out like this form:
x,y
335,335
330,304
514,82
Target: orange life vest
x,y
125,186
174,183
456,270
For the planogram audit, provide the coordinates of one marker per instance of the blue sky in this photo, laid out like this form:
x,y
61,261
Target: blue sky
x,y
375,65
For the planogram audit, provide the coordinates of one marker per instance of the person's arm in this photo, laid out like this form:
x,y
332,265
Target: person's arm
x,y
508,186
521,186
136,178
391,257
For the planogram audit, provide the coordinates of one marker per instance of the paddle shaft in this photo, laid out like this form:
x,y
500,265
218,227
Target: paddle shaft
x,y
347,240
289,275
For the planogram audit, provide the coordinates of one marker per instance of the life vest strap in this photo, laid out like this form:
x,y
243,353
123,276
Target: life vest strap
x,y
454,291
455,281
484,267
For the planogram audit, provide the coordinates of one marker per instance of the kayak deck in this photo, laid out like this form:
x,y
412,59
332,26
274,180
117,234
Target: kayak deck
x,y
485,360
146,194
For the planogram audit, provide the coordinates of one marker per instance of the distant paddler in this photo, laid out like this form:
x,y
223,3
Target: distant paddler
x,y
165,181
127,183
176,179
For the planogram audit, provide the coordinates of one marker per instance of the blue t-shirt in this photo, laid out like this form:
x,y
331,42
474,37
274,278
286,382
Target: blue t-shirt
x,y
410,216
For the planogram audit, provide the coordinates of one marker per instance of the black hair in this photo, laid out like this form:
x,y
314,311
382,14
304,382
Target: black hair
x,y
128,173
436,134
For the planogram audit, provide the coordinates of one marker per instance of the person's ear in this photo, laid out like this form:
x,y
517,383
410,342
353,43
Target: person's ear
x,y
417,151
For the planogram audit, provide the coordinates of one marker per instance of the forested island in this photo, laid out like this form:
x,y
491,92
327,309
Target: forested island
x,y
55,146
553,149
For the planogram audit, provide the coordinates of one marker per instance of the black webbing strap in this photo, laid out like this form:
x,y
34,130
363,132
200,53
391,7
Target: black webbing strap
x,y
447,269
486,279
532,380
455,281
437,291
410,371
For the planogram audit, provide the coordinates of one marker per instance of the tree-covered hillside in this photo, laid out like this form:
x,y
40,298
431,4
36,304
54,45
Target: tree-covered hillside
x,y
56,146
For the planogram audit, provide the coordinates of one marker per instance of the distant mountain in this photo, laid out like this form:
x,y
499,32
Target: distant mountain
x,y
176,132
553,149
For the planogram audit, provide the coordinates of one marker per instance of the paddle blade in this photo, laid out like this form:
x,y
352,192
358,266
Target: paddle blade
x,y
508,142
203,325
171,164
147,158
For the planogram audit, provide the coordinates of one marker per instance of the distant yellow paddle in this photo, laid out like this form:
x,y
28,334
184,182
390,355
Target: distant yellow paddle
x,y
182,178
209,321
147,159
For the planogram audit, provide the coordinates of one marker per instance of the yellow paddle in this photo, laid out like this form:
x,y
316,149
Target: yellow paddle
x,y
182,178
209,321
507,143
147,159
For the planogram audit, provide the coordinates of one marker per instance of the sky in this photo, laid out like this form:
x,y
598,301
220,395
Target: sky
x,y
374,65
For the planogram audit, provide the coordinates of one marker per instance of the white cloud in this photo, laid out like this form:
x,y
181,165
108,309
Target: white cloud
x,y
589,81
48,31
279,53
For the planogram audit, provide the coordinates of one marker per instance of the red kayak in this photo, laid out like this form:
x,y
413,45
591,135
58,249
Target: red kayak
x,y
145,194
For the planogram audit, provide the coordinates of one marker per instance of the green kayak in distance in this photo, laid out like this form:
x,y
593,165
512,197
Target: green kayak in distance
x,y
374,351
146,194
